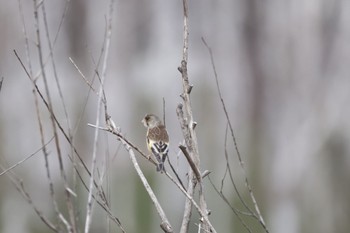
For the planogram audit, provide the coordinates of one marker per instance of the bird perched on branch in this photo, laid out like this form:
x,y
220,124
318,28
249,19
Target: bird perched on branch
x,y
157,139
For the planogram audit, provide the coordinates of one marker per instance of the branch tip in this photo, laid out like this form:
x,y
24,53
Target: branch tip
x,y
205,173
166,227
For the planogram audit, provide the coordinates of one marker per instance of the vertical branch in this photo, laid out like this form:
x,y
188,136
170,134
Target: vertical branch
x,y
251,193
188,125
57,143
99,105
183,70
42,137
185,35
54,69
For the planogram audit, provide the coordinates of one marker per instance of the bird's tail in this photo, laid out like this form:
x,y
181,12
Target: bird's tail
x,y
160,167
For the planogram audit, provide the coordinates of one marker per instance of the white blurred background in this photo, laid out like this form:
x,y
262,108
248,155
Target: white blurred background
x,y
284,72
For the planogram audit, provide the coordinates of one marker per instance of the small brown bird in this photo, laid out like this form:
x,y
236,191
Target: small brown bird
x,y
157,139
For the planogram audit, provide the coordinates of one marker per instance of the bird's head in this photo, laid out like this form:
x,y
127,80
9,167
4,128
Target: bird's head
x,y
151,120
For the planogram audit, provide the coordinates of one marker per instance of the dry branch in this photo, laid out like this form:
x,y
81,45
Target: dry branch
x,y
165,225
252,196
21,189
99,105
69,201
188,125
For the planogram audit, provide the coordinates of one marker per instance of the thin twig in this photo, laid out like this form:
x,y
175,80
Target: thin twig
x,y
236,212
54,69
25,159
102,193
26,38
103,203
176,174
55,74
190,161
228,169
261,219
20,187
55,118
41,130
83,76
69,203
99,105
61,22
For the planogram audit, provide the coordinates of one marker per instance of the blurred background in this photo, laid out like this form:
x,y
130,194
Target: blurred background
x,y
283,67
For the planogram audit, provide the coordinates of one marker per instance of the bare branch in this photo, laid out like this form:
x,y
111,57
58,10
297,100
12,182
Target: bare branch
x,y
228,169
54,67
55,118
165,225
188,124
235,211
189,160
261,220
176,174
69,203
21,189
204,215
121,137
25,37
99,105
23,160
83,76
102,203
51,189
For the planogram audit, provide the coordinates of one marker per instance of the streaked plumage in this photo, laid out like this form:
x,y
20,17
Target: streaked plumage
x,y
157,139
